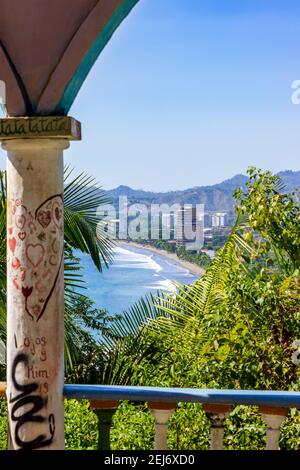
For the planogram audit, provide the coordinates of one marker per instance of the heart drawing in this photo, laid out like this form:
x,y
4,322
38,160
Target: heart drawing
x,y
35,253
37,237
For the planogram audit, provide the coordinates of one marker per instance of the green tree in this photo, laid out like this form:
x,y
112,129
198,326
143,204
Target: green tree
x,y
235,327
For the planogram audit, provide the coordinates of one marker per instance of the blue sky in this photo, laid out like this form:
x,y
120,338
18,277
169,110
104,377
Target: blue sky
x,y
190,92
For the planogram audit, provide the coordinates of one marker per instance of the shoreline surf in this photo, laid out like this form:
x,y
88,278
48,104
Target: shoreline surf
x,y
191,267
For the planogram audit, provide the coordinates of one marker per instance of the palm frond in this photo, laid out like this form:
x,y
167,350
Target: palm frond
x,y
137,316
192,304
84,228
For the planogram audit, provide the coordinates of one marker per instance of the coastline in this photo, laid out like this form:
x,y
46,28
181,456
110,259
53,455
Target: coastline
x,y
191,267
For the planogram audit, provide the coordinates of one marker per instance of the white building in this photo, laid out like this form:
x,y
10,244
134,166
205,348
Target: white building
x,y
190,227
218,219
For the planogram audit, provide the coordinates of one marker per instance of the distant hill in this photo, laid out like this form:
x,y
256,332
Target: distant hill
x,y
217,197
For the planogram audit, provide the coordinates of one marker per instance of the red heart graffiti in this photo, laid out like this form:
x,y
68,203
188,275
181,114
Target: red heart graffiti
x,y
15,263
35,253
12,242
58,213
22,235
44,218
20,221
43,250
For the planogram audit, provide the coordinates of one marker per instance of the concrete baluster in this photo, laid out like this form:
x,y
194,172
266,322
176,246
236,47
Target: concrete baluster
x,y
273,418
217,415
161,413
105,411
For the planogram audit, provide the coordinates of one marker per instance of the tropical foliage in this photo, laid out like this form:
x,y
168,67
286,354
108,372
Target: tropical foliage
x,y
236,326
199,258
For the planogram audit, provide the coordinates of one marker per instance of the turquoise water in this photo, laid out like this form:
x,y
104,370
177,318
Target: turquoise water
x,y
134,273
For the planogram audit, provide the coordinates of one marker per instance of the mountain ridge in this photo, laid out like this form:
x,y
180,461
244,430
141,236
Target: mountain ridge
x,y
217,197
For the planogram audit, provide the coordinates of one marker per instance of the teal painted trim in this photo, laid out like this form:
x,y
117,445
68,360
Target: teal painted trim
x,y
74,85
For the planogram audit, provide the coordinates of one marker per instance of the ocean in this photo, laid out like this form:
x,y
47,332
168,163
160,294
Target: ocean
x,y
134,273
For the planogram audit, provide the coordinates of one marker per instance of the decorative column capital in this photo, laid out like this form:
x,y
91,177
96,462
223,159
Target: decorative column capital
x,y
35,146
217,414
161,411
104,404
40,127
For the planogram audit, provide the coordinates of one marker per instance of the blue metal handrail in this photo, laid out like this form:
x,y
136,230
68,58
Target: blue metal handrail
x,y
175,395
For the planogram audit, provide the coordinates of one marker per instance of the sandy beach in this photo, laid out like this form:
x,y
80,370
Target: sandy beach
x,y
193,268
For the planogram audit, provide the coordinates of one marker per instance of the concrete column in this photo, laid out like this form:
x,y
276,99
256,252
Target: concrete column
x,y
35,281
35,292
161,413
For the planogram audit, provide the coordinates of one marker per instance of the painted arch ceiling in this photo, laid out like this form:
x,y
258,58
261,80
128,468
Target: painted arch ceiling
x,y
47,48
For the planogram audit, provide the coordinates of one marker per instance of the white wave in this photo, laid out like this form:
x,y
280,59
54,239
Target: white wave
x,y
167,285
120,250
134,260
184,271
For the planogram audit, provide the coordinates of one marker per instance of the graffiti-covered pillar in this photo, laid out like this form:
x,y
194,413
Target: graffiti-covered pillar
x,y
35,282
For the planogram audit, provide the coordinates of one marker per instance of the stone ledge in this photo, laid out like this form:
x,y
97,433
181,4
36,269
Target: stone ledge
x,y
40,127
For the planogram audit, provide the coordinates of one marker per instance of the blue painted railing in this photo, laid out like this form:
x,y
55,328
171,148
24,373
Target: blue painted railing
x,y
273,406
104,399
175,395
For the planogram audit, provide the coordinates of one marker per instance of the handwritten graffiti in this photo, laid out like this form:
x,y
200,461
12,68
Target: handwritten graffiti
x,y
35,236
36,347
35,126
34,404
